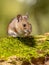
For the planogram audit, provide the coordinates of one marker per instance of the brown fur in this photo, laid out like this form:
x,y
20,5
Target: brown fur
x,y
17,23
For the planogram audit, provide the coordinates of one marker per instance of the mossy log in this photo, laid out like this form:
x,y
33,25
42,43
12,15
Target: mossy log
x,y
26,49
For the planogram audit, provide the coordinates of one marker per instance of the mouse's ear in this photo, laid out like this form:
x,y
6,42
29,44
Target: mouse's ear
x,y
27,15
19,17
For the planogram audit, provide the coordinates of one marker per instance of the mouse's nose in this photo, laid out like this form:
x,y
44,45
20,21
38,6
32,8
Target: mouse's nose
x,y
29,31
30,28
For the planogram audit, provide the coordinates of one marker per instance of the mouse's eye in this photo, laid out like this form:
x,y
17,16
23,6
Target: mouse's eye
x,y
24,25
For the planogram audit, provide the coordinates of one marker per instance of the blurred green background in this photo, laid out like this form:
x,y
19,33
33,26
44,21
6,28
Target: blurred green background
x,y
38,11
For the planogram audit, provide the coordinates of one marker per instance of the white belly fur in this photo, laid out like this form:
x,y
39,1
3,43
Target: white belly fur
x,y
12,33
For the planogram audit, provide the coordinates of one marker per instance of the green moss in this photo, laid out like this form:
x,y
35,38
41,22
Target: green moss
x,y
23,47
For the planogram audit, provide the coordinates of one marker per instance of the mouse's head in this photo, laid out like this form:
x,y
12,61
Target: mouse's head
x,y
23,25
